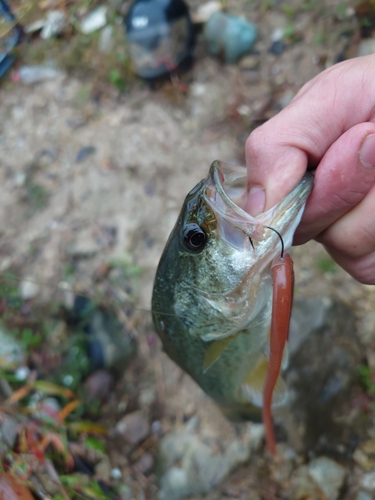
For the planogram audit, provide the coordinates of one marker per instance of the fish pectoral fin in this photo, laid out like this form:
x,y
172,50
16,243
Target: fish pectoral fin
x,y
215,350
253,385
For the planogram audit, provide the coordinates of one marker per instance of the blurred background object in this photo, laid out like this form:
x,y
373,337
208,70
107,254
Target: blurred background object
x,y
10,39
160,36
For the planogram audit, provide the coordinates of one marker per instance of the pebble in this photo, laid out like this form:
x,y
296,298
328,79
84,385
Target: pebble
x,y
366,47
106,41
11,353
9,430
95,20
103,469
28,289
145,463
368,481
321,479
29,75
364,455
229,36
98,384
54,24
362,495
116,473
192,461
329,475
84,153
205,11
21,373
133,427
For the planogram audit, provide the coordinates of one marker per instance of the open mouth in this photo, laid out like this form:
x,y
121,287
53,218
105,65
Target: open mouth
x,y
226,193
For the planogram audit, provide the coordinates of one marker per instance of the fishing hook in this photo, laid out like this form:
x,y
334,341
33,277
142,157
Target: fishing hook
x,y
281,240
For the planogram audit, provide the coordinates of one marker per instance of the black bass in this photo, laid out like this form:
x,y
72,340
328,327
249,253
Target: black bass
x,y
212,295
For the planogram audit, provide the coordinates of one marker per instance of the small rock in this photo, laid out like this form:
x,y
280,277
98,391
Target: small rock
x,y
324,354
329,475
20,179
98,384
11,353
362,495
84,153
28,289
145,463
366,47
147,397
106,41
116,473
367,481
286,98
193,463
277,48
205,11
21,373
95,20
84,247
53,24
35,74
250,62
133,427
103,469
229,36
364,455
304,487
321,479
9,431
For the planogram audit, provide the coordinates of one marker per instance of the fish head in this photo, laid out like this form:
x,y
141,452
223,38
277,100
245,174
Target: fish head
x,y
215,268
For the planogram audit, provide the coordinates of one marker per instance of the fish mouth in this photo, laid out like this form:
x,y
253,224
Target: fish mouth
x,y
226,193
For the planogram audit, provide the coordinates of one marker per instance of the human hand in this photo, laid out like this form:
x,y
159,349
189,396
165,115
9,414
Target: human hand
x,y
328,125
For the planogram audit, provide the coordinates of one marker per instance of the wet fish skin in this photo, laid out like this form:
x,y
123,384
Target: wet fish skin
x,y
222,290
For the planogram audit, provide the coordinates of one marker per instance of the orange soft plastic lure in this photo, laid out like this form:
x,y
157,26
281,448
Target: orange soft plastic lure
x,y
283,282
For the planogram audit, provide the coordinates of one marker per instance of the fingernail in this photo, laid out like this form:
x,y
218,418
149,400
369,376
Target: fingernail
x,y
367,152
256,201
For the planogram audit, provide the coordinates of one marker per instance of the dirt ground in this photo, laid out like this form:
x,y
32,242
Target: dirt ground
x,y
90,178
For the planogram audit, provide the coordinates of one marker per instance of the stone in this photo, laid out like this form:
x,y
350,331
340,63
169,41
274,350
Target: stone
x,y
229,36
134,427
321,479
145,463
205,11
364,455
98,384
329,475
11,352
103,469
192,461
367,481
95,20
324,352
28,289
366,47
362,495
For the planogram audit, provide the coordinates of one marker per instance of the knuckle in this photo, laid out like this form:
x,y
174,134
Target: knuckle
x,y
255,141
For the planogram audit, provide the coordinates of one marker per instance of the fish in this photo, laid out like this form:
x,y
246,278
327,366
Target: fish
x,y
212,294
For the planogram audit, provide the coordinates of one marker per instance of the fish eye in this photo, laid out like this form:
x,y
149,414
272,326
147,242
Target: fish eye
x,y
194,237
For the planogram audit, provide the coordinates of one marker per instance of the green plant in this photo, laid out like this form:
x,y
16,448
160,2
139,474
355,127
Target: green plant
x,y
116,79
367,377
326,265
